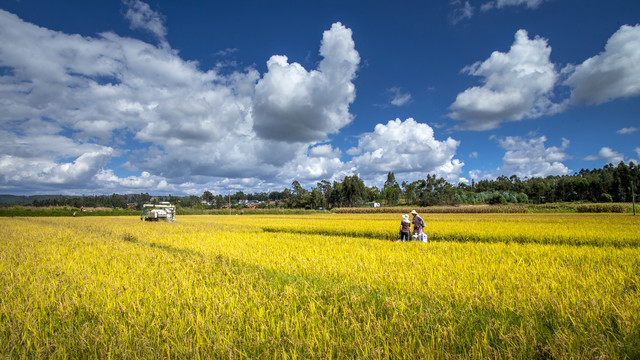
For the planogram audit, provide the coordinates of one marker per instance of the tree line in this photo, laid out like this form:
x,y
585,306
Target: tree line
x,y
612,183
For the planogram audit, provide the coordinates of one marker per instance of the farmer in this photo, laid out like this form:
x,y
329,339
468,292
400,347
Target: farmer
x,y
418,224
405,228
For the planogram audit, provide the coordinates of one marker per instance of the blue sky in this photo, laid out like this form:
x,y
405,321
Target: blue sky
x,y
177,98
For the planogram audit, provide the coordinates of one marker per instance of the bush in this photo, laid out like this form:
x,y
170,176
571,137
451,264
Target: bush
x,y
602,208
64,211
522,198
497,199
471,209
606,198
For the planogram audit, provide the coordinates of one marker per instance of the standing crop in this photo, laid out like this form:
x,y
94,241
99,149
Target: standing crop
x,y
321,286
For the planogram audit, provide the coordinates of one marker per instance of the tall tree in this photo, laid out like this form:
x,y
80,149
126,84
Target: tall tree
x,y
353,190
325,188
391,190
207,196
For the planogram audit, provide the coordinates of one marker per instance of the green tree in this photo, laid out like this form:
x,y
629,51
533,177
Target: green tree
x,y
337,194
208,196
353,190
219,201
317,199
410,191
300,197
118,201
391,190
326,189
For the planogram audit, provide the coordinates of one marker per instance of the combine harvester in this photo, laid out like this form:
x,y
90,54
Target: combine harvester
x,y
162,211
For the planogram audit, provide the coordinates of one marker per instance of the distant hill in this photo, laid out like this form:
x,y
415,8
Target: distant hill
x,y
23,200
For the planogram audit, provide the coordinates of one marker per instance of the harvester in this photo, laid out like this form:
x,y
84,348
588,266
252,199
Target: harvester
x,y
155,212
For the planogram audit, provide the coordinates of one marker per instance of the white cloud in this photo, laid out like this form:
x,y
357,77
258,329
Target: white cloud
x,y
408,149
473,155
19,171
528,157
461,11
45,158
295,105
325,150
106,179
81,169
477,175
607,154
41,144
74,107
103,89
611,74
531,4
322,162
141,16
227,52
627,130
80,103
398,97
464,10
517,85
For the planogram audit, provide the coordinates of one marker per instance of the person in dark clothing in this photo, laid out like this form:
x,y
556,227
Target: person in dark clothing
x,y
405,228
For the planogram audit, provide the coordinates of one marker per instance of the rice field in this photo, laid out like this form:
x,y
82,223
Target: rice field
x,y
321,286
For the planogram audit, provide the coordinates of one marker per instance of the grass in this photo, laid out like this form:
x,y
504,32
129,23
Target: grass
x,y
223,287
63,211
23,211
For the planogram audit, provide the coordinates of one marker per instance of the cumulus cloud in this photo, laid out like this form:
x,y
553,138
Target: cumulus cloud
x,y
106,179
407,148
321,162
528,157
608,155
611,74
45,158
296,105
531,158
517,85
74,106
17,171
112,90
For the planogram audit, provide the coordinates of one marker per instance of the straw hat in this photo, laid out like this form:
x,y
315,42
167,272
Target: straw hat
x,y
414,212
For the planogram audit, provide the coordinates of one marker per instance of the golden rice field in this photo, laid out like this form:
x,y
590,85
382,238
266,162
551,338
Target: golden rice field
x,y
321,286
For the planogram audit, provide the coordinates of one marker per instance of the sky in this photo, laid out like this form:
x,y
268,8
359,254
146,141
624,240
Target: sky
x,y
167,97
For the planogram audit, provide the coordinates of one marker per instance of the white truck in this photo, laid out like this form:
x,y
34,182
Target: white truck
x,y
155,212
